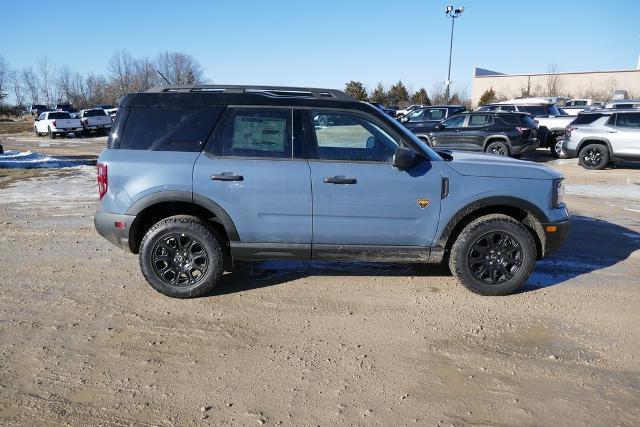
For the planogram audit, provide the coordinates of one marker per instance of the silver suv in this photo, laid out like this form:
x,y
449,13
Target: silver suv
x,y
601,136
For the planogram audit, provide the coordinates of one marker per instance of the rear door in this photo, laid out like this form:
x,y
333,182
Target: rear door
x,y
255,170
474,132
359,198
623,132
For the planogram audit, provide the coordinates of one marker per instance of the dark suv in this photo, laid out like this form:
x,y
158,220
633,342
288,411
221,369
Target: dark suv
x,y
505,134
195,178
422,120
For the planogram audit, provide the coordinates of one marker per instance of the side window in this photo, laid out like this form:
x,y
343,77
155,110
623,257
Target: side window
x,y
416,116
453,122
506,108
479,120
42,116
437,114
344,136
168,129
629,120
254,132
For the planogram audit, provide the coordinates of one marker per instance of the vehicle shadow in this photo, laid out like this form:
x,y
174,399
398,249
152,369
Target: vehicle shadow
x,y
592,245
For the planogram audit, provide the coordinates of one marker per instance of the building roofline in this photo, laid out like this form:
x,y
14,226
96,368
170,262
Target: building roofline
x,y
561,73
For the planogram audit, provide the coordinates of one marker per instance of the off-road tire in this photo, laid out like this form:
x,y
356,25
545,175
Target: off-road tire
x,y
498,148
196,229
594,157
461,256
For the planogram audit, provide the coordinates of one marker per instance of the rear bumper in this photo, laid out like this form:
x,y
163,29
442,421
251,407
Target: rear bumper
x,y
554,239
66,130
530,145
105,223
96,127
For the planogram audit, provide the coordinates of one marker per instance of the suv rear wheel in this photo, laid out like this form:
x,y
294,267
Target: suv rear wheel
x,y
499,148
493,255
594,156
182,258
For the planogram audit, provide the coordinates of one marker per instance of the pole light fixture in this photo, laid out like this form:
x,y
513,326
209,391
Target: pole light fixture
x,y
453,14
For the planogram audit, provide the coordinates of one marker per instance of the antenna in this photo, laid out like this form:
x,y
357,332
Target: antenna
x,y
163,77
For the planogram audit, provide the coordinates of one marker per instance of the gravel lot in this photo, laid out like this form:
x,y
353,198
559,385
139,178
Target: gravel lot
x,y
85,340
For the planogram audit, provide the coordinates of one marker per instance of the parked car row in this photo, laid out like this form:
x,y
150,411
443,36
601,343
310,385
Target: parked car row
x,y
36,109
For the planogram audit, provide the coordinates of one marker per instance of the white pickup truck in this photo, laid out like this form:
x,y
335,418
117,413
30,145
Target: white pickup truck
x,y
55,123
95,120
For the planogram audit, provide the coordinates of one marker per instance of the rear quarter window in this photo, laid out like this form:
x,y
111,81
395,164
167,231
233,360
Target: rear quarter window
x,y
585,119
165,129
528,121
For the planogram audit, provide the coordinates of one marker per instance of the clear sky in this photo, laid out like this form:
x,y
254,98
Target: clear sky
x,y
326,43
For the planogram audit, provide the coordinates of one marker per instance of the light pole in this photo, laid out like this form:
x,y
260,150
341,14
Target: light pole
x,y
453,14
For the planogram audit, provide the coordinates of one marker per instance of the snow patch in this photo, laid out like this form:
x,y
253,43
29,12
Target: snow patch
x,y
14,159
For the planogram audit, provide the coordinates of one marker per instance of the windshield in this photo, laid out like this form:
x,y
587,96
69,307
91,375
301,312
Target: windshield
x,y
94,113
59,115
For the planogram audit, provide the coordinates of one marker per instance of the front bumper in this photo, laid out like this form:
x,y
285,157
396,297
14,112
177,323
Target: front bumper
x,y
530,145
555,234
105,223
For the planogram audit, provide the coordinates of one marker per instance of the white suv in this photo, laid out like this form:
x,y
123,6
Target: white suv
x,y
600,136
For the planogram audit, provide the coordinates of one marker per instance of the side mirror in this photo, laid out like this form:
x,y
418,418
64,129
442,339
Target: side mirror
x,y
439,126
404,158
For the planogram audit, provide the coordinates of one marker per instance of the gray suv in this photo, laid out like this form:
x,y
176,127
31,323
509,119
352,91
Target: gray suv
x,y
195,178
600,136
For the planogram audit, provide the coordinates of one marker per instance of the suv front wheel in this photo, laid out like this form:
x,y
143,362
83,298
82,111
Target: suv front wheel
x,y
182,258
493,255
594,156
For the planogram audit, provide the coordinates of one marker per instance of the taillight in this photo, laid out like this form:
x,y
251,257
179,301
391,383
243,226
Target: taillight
x,y
568,130
53,123
103,181
521,129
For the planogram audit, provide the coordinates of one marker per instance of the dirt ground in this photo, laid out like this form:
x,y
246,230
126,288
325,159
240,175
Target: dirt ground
x,y
84,340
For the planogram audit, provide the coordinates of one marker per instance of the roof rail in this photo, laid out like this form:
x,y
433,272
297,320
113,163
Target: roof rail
x,y
272,91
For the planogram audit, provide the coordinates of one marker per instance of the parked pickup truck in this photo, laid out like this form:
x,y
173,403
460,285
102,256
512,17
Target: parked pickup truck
x,y
55,123
95,120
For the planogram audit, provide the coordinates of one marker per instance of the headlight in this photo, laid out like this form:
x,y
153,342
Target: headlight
x,y
557,199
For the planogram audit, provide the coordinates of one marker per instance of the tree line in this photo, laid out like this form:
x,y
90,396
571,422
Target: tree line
x,y
399,95
49,84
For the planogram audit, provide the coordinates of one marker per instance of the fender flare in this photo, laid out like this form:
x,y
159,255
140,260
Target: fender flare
x,y
586,139
502,138
188,197
471,207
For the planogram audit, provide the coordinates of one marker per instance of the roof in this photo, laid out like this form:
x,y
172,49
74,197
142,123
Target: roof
x,y
610,111
525,101
483,73
273,91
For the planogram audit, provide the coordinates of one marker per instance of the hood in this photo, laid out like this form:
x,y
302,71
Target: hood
x,y
490,165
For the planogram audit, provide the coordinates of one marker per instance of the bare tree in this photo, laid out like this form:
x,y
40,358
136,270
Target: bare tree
x,y
46,70
31,84
553,83
121,71
18,92
180,68
145,75
66,84
5,72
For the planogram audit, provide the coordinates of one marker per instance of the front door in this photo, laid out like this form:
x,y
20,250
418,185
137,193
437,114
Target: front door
x,y
254,169
448,132
474,132
359,198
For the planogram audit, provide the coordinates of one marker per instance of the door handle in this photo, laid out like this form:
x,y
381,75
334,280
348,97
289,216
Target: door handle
x,y
612,131
339,180
227,176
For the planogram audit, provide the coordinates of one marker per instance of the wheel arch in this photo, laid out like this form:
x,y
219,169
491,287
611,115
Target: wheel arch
x,y
496,138
157,206
521,210
594,140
